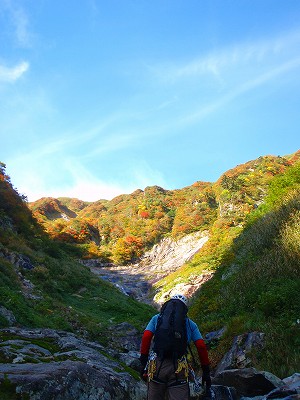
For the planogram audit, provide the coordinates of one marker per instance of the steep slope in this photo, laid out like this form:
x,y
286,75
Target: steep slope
x,y
251,215
42,284
121,230
256,281
165,257
238,192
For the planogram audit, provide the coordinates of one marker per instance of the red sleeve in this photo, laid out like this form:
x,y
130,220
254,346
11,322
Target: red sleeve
x,y
146,342
202,351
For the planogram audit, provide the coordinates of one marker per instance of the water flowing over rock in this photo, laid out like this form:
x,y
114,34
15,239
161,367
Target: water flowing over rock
x,y
165,257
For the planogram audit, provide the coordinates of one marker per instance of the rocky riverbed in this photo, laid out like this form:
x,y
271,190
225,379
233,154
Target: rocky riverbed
x,y
167,256
45,364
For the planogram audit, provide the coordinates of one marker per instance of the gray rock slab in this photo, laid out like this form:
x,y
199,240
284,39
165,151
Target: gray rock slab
x,y
70,380
247,381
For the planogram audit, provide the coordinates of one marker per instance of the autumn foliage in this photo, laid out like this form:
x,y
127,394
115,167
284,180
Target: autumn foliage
x,y
129,224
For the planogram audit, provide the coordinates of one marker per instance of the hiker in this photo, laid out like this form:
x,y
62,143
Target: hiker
x,y
165,367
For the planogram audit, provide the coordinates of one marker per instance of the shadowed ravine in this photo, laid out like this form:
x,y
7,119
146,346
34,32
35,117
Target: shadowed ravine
x,y
136,280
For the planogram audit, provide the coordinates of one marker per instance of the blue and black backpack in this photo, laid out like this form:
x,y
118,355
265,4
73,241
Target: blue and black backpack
x,y
170,339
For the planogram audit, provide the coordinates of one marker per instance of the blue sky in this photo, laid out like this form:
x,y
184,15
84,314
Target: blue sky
x,y
99,98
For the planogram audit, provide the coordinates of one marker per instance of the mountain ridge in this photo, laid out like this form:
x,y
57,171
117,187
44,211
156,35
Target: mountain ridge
x,y
252,258
130,224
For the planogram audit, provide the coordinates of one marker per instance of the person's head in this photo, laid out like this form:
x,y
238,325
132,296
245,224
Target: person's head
x,y
180,297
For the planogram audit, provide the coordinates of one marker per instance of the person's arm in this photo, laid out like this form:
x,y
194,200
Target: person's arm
x,y
146,343
145,348
202,353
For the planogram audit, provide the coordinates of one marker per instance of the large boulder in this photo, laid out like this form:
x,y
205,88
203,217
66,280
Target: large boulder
x,y
222,393
69,380
248,381
19,261
290,390
8,315
44,364
293,382
239,354
123,337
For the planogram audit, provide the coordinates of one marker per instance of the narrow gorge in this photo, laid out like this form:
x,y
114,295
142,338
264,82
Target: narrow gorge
x,y
165,257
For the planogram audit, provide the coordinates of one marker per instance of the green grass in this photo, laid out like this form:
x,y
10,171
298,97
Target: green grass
x,y
72,298
256,287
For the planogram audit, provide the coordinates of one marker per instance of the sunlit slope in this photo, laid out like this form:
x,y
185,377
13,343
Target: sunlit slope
x,y
256,284
42,284
122,229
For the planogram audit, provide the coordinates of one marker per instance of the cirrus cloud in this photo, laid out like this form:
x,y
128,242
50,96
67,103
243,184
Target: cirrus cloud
x,y
13,73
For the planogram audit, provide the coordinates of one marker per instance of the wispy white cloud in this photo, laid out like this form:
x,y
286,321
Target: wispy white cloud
x,y
41,177
94,7
54,177
34,183
20,21
111,143
241,89
141,174
101,138
245,54
86,190
13,73
219,78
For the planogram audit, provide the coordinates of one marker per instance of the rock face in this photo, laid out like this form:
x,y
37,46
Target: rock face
x,y
136,280
8,315
234,371
239,354
45,364
19,261
68,380
248,381
61,366
185,288
169,254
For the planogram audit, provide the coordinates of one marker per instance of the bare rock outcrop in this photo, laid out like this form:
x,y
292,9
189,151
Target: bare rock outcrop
x,y
168,255
248,381
45,364
8,315
239,354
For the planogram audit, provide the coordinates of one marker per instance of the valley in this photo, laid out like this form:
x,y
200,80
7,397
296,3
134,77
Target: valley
x,y
137,280
80,280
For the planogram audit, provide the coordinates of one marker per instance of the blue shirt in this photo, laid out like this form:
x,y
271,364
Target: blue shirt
x,y
192,330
